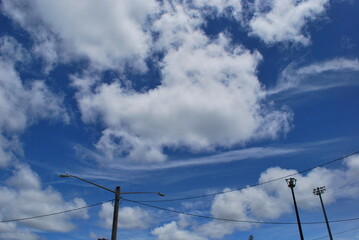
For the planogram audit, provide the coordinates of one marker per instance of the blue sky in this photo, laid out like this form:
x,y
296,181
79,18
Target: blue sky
x,y
188,98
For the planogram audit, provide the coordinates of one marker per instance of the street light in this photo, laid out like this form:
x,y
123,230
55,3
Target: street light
x,y
117,193
318,191
291,184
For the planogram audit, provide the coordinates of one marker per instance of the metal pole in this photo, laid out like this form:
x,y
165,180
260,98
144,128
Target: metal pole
x,y
297,213
117,193
325,216
115,213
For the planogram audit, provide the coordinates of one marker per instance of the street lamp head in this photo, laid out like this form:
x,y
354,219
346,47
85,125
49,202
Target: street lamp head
x,y
160,194
291,182
65,175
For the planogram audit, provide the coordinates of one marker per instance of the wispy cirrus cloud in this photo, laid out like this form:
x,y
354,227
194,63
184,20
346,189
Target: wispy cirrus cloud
x,y
226,157
229,156
209,159
337,72
337,64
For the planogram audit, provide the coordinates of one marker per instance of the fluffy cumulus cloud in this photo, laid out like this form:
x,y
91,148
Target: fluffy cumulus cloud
x,y
24,196
221,8
173,231
284,20
198,105
199,76
129,217
209,96
317,76
272,200
104,32
266,202
9,231
178,24
21,103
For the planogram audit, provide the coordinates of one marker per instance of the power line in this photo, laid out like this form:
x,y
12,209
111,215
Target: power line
x,y
202,216
180,212
337,233
56,213
234,220
204,195
254,185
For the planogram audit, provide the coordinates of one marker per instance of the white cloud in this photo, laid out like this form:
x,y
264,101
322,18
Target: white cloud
x,y
229,156
7,148
177,25
11,50
337,64
128,218
25,15
270,201
219,229
209,96
317,76
24,196
174,232
9,231
21,104
285,20
221,7
266,202
107,33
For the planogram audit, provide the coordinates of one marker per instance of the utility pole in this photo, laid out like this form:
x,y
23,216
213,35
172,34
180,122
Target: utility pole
x,y
115,213
318,191
291,184
117,193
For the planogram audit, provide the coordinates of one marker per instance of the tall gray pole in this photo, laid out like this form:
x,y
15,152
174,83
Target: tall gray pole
x,y
297,214
326,218
291,184
117,193
115,213
319,191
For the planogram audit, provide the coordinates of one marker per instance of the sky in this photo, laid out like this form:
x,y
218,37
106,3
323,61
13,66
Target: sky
x,y
212,103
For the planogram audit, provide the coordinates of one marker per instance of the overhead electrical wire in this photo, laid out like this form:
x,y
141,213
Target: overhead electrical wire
x,y
337,233
254,185
235,220
55,213
205,195
179,212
